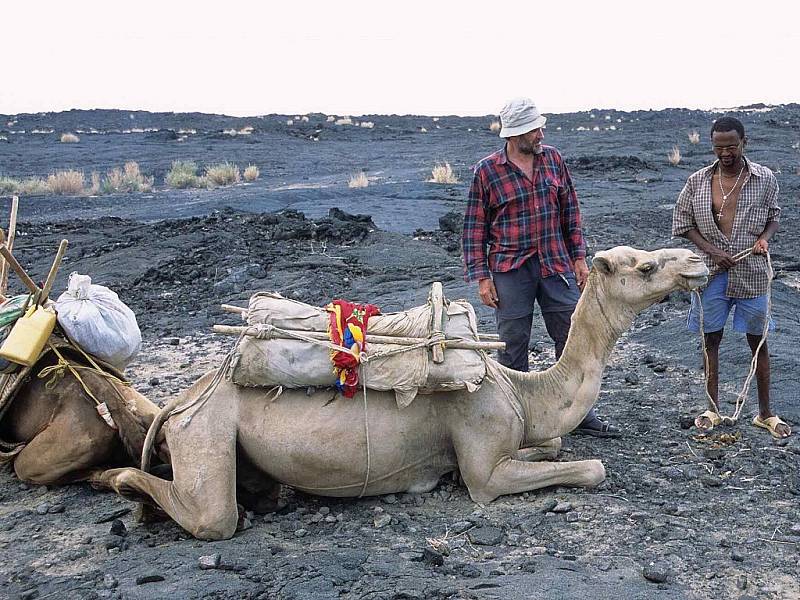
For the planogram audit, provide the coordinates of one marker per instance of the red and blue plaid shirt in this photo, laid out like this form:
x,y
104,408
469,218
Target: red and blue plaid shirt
x,y
510,218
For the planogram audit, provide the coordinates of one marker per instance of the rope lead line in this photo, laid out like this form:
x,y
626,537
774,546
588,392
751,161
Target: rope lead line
x,y
741,398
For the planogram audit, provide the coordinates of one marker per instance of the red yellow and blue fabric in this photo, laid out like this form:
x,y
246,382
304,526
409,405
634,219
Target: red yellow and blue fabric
x,y
347,326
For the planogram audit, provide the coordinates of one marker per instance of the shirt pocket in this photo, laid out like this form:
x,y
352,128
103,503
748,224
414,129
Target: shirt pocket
x,y
756,219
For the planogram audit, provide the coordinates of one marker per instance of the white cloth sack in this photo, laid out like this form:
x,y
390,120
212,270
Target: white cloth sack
x,y
296,363
96,319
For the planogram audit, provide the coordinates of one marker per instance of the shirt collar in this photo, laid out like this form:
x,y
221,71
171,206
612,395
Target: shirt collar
x,y
502,156
753,168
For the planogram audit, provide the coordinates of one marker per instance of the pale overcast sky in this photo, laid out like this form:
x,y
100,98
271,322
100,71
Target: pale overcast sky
x,y
420,57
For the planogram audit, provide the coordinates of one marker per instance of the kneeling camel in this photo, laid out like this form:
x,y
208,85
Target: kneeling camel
x,y
350,448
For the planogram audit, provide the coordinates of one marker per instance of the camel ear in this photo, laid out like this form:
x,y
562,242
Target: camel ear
x,y
602,264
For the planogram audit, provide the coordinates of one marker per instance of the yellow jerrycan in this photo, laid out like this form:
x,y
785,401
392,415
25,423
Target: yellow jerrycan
x,y
29,335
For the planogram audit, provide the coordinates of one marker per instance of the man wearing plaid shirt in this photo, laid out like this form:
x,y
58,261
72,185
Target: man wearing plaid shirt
x,y
523,241
726,208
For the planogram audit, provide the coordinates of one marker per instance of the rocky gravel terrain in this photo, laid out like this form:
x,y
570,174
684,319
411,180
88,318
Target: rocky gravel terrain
x,y
681,515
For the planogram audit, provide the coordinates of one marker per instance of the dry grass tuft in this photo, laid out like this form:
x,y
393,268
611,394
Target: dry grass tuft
x,y
69,138
129,179
694,137
367,124
443,173
251,173
674,156
495,127
94,189
330,119
343,121
222,174
358,181
182,174
65,182
8,185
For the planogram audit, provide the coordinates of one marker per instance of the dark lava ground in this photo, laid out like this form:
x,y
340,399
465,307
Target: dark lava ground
x,y
708,517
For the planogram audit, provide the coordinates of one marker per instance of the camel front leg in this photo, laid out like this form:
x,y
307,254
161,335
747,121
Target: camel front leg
x,y
545,451
490,476
201,498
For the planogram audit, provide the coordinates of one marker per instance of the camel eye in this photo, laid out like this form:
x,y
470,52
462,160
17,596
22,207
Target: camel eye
x,y
647,268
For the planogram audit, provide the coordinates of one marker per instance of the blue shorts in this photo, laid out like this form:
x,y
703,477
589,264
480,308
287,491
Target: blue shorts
x,y
748,313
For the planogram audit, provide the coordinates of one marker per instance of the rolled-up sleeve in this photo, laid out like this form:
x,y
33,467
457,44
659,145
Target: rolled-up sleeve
x,y
683,216
571,229
476,230
771,200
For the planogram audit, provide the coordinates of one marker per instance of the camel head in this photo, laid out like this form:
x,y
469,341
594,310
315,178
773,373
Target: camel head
x,y
639,278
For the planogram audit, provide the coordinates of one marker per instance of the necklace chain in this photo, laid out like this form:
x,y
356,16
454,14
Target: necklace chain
x,y
722,189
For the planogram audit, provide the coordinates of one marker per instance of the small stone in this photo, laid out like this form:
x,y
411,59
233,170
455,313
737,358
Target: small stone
x,y
737,556
324,510
686,421
118,528
549,505
300,532
42,509
631,378
432,558
330,519
741,582
657,573
174,341
154,381
149,578
210,561
486,536
29,594
562,507
460,527
389,499
110,582
660,368
382,520
711,481
56,509
573,518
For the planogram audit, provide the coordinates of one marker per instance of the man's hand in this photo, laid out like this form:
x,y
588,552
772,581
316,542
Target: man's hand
x,y
721,258
761,247
487,292
581,272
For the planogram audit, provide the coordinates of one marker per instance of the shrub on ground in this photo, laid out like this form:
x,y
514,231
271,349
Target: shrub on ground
x,y
183,174
65,182
126,180
443,173
69,138
222,174
674,156
251,173
358,181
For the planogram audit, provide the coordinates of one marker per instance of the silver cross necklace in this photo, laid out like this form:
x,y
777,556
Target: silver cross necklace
x,y
722,189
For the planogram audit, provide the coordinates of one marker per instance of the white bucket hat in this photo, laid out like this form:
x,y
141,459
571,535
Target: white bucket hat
x,y
519,116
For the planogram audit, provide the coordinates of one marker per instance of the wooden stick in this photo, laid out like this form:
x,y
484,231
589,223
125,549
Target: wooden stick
x,y
240,310
51,276
437,300
372,339
12,234
29,283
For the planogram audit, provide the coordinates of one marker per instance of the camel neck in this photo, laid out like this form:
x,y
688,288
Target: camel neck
x,y
564,393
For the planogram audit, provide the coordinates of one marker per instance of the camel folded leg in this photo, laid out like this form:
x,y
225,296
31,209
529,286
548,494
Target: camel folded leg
x,y
201,498
66,451
511,476
545,451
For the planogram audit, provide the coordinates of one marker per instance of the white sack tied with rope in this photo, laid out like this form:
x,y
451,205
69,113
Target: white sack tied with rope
x,y
96,319
271,361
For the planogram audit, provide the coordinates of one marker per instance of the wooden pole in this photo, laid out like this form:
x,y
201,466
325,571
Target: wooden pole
x,y
437,300
241,310
51,276
29,283
371,339
12,234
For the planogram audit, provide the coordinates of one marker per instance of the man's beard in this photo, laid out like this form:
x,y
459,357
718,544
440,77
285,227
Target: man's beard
x,y
531,149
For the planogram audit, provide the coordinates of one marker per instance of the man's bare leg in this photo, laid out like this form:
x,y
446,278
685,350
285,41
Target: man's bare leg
x,y
713,341
762,382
